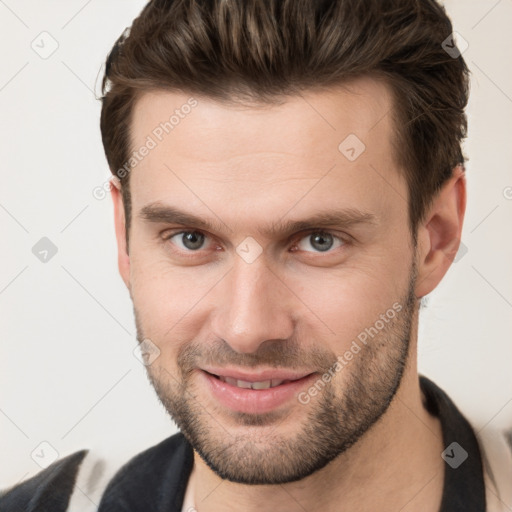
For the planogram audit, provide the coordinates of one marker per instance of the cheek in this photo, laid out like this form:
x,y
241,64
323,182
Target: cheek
x,y
167,297
346,302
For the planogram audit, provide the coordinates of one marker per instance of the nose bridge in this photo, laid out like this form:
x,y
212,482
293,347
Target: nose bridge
x,y
254,307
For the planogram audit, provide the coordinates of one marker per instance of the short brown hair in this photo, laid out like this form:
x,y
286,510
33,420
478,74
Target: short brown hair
x,y
263,50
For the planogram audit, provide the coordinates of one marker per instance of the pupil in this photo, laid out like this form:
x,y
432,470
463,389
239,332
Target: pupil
x,y
319,241
193,240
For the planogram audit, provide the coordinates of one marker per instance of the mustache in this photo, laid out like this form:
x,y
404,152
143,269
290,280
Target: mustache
x,y
272,353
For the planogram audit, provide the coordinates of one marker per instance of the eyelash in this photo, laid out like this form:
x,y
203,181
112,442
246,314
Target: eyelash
x,y
344,240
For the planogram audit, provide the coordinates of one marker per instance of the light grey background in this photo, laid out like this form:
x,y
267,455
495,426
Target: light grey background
x,y
68,374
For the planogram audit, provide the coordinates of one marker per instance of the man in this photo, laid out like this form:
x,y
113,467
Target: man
x,y
288,185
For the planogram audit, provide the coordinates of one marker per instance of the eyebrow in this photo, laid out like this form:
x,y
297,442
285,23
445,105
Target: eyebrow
x,y
348,217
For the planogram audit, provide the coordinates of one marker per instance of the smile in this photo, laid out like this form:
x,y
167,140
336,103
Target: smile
x,y
255,393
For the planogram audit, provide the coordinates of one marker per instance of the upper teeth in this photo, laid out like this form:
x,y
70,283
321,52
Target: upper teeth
x,y
264,384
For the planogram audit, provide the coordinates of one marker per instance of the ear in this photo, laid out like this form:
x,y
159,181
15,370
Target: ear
x,y
123,259
439,234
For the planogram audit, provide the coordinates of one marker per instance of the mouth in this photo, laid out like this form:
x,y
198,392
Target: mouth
x,y
255,393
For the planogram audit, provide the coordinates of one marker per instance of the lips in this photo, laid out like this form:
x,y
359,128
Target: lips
x,y
254,393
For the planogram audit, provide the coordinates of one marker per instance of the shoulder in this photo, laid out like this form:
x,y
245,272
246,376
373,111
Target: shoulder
x,y
496,449
50,489
491,447
155,479
82,480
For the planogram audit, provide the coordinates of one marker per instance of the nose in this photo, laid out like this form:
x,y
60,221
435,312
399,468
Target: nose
x,y
254,306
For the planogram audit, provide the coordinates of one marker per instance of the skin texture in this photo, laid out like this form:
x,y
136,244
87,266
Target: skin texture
x,y
365,440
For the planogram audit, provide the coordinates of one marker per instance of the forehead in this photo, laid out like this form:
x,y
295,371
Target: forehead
x,y
359,105
241,152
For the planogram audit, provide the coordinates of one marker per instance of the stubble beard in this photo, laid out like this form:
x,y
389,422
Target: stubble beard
x,y
253,449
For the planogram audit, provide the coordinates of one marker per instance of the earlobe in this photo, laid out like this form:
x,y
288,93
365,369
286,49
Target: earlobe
x,y
439,234
123,259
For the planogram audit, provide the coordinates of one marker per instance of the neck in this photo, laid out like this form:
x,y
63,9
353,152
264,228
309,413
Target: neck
x,y
396,465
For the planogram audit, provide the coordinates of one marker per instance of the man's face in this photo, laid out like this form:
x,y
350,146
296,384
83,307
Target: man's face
x,y
326,305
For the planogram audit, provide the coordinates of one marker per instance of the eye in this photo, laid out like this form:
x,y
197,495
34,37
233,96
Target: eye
x,y
320,241
188,240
